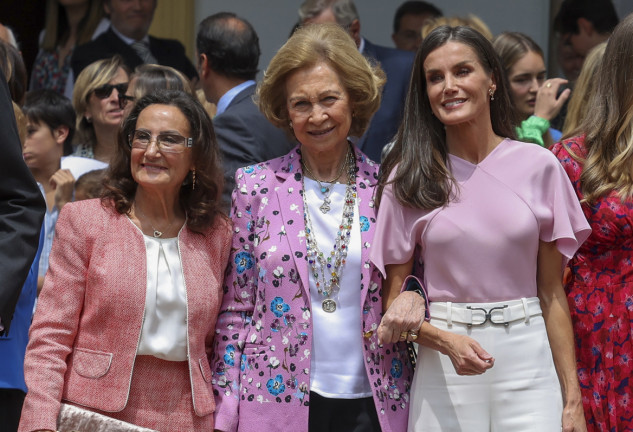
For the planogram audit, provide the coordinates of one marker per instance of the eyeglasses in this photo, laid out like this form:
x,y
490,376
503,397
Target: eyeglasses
x,y
124,99
166,142
106,90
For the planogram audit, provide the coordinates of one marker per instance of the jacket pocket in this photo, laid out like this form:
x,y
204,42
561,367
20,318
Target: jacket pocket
x,y
205,368
91,364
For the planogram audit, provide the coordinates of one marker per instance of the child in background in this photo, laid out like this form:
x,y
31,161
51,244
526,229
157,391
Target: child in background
x,y
89,185
49,131
13,346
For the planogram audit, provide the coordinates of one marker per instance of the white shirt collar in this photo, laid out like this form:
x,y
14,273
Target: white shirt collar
x,y
128,40
361,47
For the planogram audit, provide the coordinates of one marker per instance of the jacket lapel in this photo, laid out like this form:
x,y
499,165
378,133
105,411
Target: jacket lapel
x,y
365,185
290,200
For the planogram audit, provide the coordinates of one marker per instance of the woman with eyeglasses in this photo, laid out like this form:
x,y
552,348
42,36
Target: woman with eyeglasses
x,y
127,314
96,102
536,99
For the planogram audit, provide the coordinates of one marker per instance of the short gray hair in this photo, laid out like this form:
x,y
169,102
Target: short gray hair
x,y
344,10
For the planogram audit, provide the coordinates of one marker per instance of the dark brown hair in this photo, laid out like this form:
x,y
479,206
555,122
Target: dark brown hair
x,y
419,156
56,30
202,204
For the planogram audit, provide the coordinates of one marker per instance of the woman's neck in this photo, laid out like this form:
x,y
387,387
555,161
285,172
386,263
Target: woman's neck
x,y
157,211
472,141
106,143
158,205
325,166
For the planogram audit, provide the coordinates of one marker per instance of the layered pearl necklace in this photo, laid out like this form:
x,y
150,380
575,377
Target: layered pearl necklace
x,y
328,270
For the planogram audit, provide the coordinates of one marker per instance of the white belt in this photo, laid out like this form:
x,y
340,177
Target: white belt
x,y
478,314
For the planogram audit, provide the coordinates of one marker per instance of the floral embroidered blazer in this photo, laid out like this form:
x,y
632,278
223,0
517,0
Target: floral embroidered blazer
x,y
261,363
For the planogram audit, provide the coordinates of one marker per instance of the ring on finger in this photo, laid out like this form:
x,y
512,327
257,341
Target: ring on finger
x,y
413,335
403,335
548,85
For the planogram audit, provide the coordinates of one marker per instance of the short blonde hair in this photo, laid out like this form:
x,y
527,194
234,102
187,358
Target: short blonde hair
x,y
93,76
472,21
313,44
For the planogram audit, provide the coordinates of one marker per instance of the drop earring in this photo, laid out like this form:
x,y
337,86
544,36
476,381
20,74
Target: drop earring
x,y
491,92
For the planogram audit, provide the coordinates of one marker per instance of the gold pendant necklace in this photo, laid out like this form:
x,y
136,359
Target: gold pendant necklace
x,y
156,233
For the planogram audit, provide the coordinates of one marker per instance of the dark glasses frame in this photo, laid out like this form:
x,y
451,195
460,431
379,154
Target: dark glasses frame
x,y
104,91
124,100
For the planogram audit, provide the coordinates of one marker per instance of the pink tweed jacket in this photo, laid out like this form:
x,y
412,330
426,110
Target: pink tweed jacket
x,y
261,362
89,317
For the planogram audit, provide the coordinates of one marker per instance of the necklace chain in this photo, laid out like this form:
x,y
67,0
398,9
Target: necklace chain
x,y
325,190
156,233
328,270
338,175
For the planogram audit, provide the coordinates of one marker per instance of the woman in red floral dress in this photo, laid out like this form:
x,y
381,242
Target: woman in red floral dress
x,y
600,292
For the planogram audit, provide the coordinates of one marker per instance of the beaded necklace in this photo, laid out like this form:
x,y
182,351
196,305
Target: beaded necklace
x,y
333,264
325,190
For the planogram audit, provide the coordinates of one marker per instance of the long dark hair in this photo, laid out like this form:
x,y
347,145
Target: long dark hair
x,y
201,204
422,178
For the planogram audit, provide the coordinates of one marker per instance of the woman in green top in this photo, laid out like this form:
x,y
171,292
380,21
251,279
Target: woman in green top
x,y
534,98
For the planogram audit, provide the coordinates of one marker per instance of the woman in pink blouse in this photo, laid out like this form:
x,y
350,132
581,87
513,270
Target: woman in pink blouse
x,y
492,221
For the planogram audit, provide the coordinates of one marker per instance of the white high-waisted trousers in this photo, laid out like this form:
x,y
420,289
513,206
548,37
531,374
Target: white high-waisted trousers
x,y
521,392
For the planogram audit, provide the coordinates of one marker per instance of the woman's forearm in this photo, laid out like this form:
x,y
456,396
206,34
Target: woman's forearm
x,y
396,274
561,339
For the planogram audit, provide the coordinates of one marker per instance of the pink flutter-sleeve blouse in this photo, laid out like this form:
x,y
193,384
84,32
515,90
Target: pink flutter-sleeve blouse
x,y
483,245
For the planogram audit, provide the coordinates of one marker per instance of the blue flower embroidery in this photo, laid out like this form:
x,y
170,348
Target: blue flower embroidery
x,y
364,223
243,362
276,385
249,169
229,357
243,261
396,368
279,307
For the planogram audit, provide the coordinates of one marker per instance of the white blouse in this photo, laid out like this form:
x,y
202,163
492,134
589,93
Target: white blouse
x,y
164,333
337,364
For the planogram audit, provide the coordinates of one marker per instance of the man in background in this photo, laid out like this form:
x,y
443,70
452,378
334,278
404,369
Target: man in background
x,y
21,212
583,24
395,63
128,36
228,56
408,22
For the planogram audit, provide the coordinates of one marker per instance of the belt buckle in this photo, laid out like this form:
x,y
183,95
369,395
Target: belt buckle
x,y
487,316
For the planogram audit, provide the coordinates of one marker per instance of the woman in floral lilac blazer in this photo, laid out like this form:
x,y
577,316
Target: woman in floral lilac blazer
x,y
296,347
